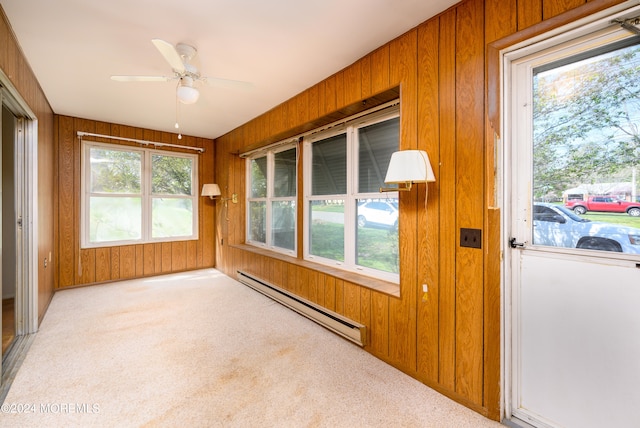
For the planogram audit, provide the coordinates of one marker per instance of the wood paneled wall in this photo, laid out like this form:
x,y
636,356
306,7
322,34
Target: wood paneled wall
x,y
19,73
78,266
450,337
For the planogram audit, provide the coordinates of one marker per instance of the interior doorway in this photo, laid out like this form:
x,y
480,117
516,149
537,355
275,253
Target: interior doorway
x,y
18,234
8,232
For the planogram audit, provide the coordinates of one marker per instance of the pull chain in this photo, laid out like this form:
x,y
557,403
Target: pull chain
x,y
177,125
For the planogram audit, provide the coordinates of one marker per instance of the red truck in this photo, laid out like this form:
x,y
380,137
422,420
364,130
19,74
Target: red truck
x,y
607,204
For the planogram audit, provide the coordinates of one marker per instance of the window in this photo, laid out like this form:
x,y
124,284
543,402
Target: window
x,y
585,136
350,224
132,195
272,181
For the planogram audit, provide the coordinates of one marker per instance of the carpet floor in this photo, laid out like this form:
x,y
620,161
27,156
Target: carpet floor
x,y
199,349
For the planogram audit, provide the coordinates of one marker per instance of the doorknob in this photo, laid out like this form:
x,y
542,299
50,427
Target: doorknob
x,y
514,244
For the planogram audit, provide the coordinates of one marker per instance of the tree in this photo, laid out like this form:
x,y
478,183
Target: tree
x,y
115,171
585,118
171,175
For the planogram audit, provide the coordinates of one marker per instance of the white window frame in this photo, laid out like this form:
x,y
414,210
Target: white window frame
x,y
350,127
146,195
270,198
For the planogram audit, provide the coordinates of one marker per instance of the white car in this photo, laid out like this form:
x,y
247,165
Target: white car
x,y
557,226
378,213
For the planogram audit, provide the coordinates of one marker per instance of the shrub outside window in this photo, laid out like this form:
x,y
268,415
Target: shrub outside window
x,y
133,196
272,210
350,223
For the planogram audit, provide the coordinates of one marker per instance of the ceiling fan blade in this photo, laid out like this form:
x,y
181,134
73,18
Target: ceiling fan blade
x,y
170,54
227,83
141,78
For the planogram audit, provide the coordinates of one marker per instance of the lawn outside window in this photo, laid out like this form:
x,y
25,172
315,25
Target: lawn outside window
x,y
136,195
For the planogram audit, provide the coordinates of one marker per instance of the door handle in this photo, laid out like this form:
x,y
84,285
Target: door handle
x,y
514,244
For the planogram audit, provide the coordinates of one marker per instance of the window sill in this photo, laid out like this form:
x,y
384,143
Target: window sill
x,y
385,287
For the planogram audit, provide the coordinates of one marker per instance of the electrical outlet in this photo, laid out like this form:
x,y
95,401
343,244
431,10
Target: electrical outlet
x,y
471,238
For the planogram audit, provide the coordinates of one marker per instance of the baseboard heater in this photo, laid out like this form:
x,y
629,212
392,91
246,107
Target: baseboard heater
x,y
345,327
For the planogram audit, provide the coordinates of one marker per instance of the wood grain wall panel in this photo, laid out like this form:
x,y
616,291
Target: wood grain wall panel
x,y
529,13
5,37
447,186
192,255
149,259
330,293
205,248
501,19
339,293
277,266
352,83
87,271
402,312
365,307
303,108
157,258
469,197
378,333
66,195
127,261
301,284
139,260
428,218
313,102
365,76
340,95
89,126
165,257
322,98
103,265
551,8
380,64
115,263
352,303
178,256
313,286
330,97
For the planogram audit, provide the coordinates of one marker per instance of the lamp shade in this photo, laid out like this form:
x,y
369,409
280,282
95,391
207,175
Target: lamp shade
x,y
210,190
409,166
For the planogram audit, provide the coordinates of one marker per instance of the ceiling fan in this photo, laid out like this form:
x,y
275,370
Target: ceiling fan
x,y
179,57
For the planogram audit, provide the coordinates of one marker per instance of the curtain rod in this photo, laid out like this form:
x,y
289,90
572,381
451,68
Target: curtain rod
x,y
133,140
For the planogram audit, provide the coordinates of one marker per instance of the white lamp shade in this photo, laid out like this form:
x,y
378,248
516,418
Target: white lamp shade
x,y
409,166
210,190
187,94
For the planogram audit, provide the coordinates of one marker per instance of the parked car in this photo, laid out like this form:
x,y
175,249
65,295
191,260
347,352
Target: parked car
x,y
378,213
557,226
607,204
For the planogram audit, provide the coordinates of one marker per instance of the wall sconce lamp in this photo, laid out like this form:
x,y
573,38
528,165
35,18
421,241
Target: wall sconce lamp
x,y
213,191
408,167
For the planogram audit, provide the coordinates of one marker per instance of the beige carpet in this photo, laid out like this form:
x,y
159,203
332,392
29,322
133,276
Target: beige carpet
x,y
202,350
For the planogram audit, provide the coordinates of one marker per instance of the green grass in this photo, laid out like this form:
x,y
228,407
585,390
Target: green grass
x,y
329,208
377,248
614,218
622,219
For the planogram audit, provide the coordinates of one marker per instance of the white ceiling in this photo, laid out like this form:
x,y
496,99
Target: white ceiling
x,y
281,46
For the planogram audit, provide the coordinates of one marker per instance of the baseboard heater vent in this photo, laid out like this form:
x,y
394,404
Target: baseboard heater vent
x,y
345,327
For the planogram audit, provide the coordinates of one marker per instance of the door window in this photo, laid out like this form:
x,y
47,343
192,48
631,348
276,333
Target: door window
x,y
586,135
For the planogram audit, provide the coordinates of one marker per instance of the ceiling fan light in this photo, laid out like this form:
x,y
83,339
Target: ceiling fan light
x,y
187,94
